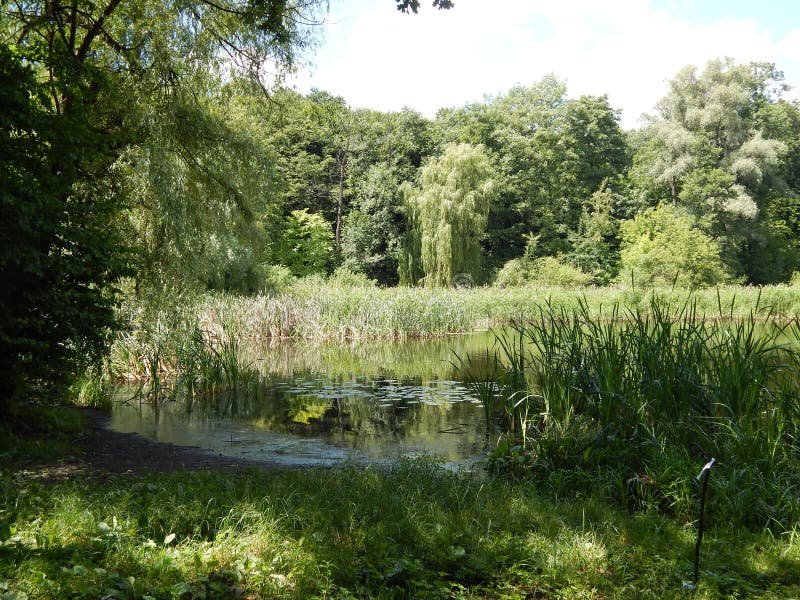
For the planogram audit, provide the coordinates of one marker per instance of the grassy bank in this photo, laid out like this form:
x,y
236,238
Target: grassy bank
x,y
409,532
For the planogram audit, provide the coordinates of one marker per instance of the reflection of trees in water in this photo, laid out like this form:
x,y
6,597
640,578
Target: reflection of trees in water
x,y
273,364
366,423
358,416
365,395
418,359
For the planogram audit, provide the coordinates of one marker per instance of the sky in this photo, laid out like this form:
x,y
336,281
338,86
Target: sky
x,y
375,57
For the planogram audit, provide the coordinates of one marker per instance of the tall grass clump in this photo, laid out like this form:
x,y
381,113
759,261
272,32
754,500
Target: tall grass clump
x,y
169,354
628,402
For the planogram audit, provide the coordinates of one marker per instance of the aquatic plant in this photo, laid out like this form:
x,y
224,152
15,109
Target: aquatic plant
x,y
636,396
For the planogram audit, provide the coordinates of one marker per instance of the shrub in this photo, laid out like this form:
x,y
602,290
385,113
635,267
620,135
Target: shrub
x,y
661,248
344,277
515,273
550,270
277,278
542,272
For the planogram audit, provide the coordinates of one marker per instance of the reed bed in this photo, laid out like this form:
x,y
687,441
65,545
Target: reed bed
x,y
188,336
628,404
341,313
322,311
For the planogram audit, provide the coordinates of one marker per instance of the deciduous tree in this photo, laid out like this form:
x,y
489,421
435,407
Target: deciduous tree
x,y
708,152
662,247
448,213
60,243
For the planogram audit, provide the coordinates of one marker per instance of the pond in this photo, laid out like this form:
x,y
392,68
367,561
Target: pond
x,y
323,404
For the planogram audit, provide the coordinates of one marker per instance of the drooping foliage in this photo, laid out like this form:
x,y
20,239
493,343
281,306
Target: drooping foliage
x,y
448,214
201,199
91,84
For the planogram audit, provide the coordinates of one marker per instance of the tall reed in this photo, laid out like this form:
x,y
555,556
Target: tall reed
x,y
641,394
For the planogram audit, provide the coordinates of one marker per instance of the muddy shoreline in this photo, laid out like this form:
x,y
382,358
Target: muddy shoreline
x,y
102,452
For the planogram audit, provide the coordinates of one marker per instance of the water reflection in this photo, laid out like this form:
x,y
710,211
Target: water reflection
x,y
318,405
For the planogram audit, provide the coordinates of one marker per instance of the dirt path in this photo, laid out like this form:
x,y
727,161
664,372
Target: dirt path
x,y
102,452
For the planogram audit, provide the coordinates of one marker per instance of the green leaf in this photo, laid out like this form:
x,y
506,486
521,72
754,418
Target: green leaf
x,y
179,589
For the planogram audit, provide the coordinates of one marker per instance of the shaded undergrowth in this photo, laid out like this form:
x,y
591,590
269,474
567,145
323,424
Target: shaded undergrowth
x,y
407,532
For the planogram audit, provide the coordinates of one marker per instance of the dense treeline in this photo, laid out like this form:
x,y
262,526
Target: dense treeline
x,y
529,186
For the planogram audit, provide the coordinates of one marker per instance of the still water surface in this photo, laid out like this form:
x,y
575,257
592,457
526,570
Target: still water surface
x,y
324,404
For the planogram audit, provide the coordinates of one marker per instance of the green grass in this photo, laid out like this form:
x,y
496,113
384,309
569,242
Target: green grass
x,y
412,531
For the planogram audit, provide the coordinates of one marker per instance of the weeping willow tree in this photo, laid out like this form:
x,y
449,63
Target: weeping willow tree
x,y
201,200
447,215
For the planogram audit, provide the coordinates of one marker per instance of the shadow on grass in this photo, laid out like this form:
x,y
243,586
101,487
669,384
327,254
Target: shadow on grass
x,y
411,531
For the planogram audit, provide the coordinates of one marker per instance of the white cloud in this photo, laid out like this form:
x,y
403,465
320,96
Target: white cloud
x,y
377,58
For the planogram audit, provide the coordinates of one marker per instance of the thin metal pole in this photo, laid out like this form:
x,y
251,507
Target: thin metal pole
x,y
706,471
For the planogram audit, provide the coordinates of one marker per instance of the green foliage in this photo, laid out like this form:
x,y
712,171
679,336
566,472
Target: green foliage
x,y
448,215
550,153
515,273
553,271
595,246
125,81
306,243
372,238
200,188
60,249
775,253
547,271
722,143
344,277
642,398
413,5
346,165
93,389
277,278
662,247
